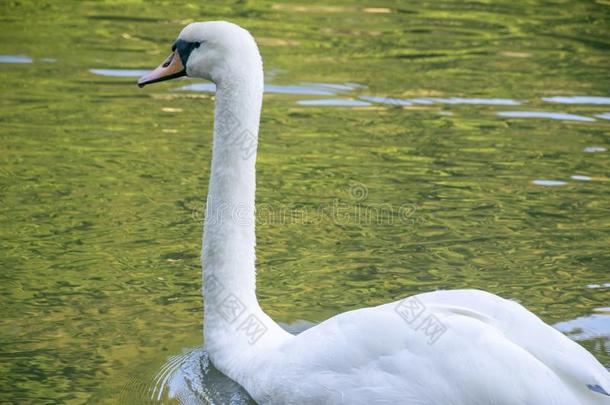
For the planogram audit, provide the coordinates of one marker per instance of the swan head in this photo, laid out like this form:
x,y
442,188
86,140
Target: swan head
x,y
213,50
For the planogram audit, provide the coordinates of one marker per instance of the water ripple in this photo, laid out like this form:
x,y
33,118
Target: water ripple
x,y
15,59
551,183
594,149
586,327
269,88
338,102
305,90
119,72
476,101
544,114
439,100
578,100
386,100
604,116
191,378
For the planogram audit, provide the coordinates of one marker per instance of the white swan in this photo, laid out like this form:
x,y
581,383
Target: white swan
x,y
443,347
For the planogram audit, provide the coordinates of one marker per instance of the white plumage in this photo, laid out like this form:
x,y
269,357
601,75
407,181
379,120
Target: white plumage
x,y
493,351
445,347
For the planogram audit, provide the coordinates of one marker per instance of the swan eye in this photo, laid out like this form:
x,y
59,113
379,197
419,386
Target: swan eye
x,y
196,44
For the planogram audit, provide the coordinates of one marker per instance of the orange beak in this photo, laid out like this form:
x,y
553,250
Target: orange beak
x,y
171,68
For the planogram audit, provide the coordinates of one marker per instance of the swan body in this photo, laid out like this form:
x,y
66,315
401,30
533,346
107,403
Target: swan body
x,y
444,347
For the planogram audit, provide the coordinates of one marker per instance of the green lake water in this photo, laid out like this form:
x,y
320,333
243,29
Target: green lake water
x,y
404,147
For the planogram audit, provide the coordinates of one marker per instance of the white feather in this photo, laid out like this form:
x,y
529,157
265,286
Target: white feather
x,y
445,347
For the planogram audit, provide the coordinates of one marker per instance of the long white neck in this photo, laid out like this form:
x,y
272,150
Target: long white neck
x,y
229,238
235,327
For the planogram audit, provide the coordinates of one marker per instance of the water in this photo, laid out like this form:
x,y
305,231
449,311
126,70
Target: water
x,y
458,134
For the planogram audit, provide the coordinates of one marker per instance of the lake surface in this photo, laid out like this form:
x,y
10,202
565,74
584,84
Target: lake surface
x,y
403,148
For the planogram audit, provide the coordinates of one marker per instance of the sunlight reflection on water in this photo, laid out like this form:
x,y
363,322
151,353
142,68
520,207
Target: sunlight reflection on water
x,y
337,102
594,149
578,100
439,100
544,114
541,182
119,72
14,59
604,116
587,327
331,89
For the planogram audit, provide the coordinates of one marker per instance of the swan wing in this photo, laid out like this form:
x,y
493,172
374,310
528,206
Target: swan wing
x,y
566,358
444,347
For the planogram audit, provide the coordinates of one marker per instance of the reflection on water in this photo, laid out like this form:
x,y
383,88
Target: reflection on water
x,y
544,114
14,59
604,116
588,327
542,182
23,59
580,177
386,100
339,102
188,379
269,88
119,72
604,285
336,87
191,378
594,149
310,89
578,100
331,89
476,101
438,100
